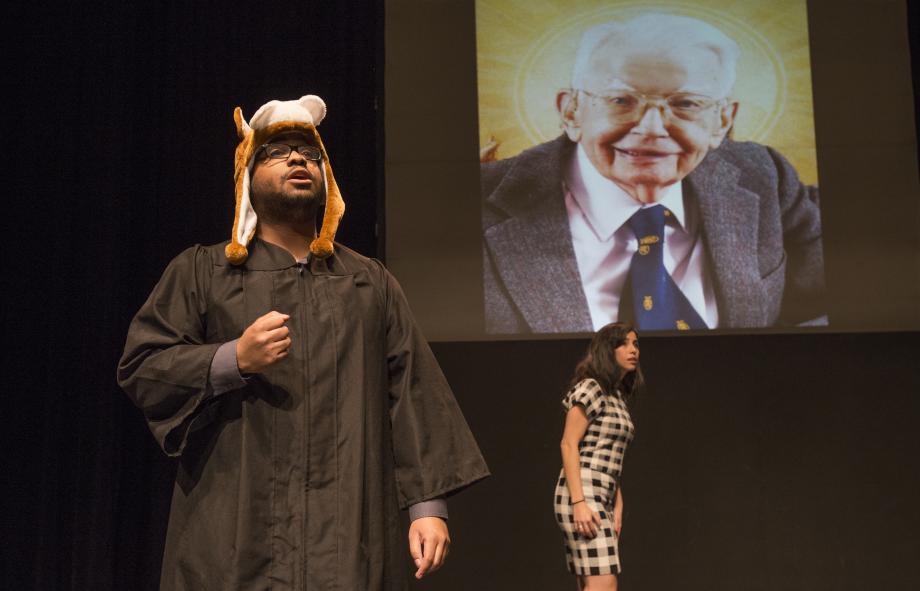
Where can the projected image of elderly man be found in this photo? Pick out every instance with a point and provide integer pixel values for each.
(643, 209)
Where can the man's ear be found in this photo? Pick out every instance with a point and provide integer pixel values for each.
(727, 116)
(567, 107)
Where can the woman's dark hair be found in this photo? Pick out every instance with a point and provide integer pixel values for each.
(599, 363)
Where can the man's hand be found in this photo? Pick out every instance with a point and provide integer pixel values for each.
(429, 543)
(489, 152)
(264, 343)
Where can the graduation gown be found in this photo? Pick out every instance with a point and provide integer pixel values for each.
(296, 480)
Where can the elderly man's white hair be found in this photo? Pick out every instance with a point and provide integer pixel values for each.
(663, 32)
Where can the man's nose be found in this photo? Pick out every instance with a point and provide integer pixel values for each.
(651, 122)
(297, 156)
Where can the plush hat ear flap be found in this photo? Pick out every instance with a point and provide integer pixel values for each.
(322, 246)
(244, 222)
(236, 253)
(244, 217)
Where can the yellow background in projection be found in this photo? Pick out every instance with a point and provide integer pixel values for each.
(525, 51)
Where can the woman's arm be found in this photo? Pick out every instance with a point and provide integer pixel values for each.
(576, 424)
(618, 512)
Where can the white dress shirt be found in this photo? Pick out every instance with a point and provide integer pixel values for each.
(604, 245)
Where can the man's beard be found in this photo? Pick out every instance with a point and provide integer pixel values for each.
(275, 207)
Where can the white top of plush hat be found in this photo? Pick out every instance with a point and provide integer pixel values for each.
(307, 109)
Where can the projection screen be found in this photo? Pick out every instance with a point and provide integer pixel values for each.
(554, 166)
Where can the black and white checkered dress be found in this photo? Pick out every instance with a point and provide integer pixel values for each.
(601, 452)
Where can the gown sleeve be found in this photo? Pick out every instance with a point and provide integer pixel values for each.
(434, 451)
(166, 363)
(587, 393)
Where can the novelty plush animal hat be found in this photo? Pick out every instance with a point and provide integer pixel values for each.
(273, 118)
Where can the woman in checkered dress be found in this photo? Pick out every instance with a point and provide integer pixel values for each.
(588, 500)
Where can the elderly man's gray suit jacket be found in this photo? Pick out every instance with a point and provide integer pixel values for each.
(760, 226)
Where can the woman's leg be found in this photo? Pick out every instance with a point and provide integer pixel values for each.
(600, 583)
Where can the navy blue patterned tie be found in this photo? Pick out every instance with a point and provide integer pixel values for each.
(658, 304)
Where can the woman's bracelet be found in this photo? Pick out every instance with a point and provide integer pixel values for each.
(581, 500)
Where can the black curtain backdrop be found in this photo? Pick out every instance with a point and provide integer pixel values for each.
(763, 462)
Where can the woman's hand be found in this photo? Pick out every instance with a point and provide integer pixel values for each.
(586, 520)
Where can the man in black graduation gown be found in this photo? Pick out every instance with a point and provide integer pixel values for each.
(287, 375)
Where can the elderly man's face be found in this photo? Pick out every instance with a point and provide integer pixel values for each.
(656, 148)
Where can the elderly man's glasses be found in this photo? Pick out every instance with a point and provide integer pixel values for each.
(282, 151)
(631, 106)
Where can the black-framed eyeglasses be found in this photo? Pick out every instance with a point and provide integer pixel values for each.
(276, 151)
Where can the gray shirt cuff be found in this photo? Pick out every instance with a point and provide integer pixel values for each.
(432, 508)
(225, 374)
